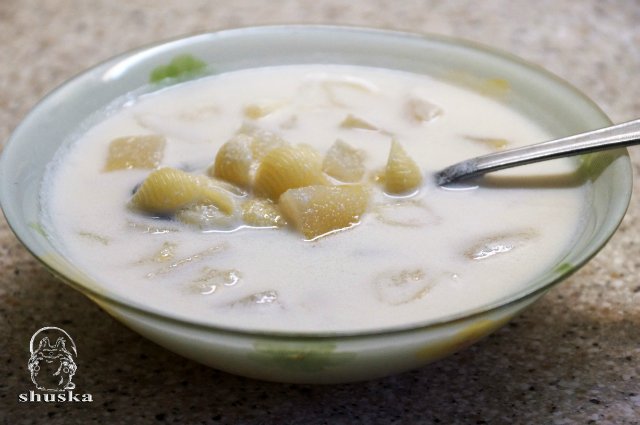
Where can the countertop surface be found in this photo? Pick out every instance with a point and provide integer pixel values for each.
(574, 357)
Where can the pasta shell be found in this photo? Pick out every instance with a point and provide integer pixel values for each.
(135, 152)
(286, 168)
(233, 161)
(402, 174)
(318, 210)
(344, 162)
(167, 190)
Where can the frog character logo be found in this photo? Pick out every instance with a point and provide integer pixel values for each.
(52, 366)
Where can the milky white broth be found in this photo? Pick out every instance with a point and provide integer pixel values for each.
(345, 281)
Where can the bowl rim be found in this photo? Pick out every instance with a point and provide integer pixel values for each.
(528, 292)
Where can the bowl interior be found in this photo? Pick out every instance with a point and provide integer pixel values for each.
(557, 106)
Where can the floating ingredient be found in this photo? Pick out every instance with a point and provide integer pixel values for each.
(233, 161)
(420, 111)
(211, 280)
(288, 167)
(194, 258)
(167, 190)
(498, 244)
(262, 213)
(257, 299)
(402, 287)
(402, 175)
(316, 211)
(351, 121)
(261, 109)
(207, 218)
(493, 143)
(344, 163)
(130, 152)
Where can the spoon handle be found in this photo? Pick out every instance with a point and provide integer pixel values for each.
(625, 134)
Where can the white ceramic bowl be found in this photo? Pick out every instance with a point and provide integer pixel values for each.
(325, 357)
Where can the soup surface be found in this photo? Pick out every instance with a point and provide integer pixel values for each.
(421, 255)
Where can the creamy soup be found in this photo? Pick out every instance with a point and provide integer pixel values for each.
(410, 256)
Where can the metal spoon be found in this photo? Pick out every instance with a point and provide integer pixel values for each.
(616, 136)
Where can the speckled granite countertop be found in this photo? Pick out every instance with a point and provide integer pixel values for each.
(572, 358)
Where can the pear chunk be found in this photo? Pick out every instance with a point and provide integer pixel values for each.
(318, 210)
(402, 174)
(352, 121)
(130, 152)
(262, 140)
(344, 163)
(420, 111)
(262, 213)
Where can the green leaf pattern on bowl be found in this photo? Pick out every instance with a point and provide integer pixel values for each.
(181, 67)
(563, 268)
(303, 357)
(37, 227)
(594, 164)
